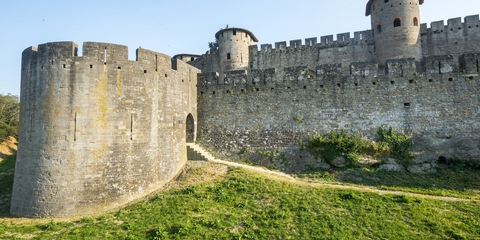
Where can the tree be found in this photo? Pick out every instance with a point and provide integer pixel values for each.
(213, 44)
(9, 116)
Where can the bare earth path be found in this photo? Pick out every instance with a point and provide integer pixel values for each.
(210, 158)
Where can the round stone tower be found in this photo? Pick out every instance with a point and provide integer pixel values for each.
(396, 27)
(233, 46)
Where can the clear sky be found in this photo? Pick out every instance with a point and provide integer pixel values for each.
(181, 26)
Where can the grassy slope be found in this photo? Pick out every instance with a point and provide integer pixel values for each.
(246, 205)
(7, 167)
(450, 181)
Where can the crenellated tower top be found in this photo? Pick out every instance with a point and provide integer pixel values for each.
(396, 26)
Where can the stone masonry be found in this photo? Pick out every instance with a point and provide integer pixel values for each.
(98, 130)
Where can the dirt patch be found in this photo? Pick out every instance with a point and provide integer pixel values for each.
(8, 147)
(196, 172)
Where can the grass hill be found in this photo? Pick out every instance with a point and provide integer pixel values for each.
(213, 201)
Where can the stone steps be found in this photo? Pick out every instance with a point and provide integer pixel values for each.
(198, 153)
(195, 154)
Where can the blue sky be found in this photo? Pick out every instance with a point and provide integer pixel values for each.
(180, 26)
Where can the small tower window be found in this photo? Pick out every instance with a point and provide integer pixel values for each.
(234, 32)
(229, 56)
(379, 28)
(415, 21)
(397, 22)
(373, 7)
(386, 1)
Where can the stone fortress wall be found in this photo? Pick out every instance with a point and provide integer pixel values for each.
(99, 130)
(455, 38)
(273, 109)
(334, 84)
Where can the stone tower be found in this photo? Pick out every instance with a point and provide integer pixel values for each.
(99, 130)
(233, 46)
(396, 26)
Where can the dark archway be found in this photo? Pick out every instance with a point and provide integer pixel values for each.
(190, 128)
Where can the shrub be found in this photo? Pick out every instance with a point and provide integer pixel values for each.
(399, 144)
(389, 143)
(335, 144)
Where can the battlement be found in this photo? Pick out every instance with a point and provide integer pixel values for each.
(453, 25)
(342, 39)
(338, 76)
(455, 37)
(98, 52)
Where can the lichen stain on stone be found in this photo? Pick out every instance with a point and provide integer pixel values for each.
(118, 82)
(102, 97)
(98, 152)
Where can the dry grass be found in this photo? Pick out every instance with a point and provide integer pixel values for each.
(8, 147)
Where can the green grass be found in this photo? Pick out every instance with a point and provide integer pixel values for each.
(450, 182)
(7, 167)
(246, 205)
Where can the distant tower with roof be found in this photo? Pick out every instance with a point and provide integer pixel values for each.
(233, 45)
(396, 26)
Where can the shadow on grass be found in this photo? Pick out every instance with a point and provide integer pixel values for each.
(7, 168)
(455, 181)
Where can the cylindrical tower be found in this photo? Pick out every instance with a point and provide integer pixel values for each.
(233, 46)
(396, 27)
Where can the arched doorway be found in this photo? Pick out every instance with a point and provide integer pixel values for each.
(190, 125)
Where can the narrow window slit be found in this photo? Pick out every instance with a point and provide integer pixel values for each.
(156, 64)
(105, 56)
(131, 126)
(450, 79)
(430, 80)
(144, 71)
(91, 66)
(410, 81)
(64, 65)
(75, 128)
(406, 105)
(392, 82)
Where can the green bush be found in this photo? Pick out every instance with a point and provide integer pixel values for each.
(400, 145)
(351, 147)
(335, 144)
